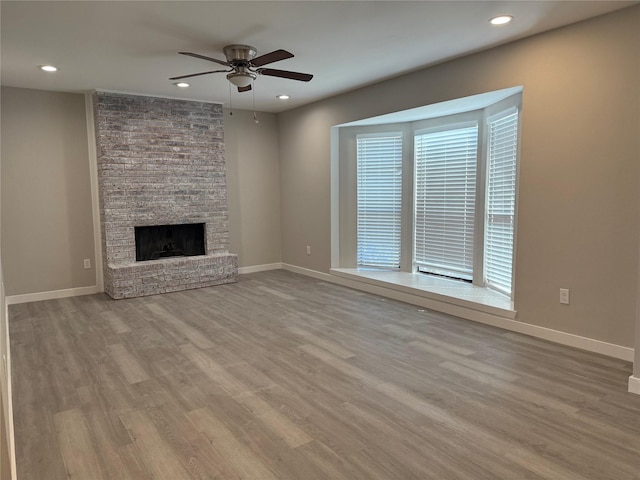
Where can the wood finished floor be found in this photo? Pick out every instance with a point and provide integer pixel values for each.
(285, 377)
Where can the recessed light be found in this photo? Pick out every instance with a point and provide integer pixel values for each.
(182, 84)
(501, 19)
(48, 68)
(283, 97)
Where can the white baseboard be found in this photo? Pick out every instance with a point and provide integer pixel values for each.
(634, 385)
(583, 343)
(310, 273)
(259, 268)
(51, 295)
(556, 336)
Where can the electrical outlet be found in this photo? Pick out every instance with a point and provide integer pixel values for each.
(564, 296)
(308, 249)
(87, 263)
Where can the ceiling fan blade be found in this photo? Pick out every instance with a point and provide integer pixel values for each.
(303, 77)
(202, 57)
(244, 89)
(198, 74)
(274, 56)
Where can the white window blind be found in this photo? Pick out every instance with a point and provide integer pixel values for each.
(501, 197)
(379, 197)
(445, 170)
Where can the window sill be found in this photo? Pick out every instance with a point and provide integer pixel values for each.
(452, 292)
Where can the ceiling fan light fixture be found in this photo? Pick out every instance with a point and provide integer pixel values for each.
(241, 79)
(283, 97)
(182, 84)
(501, 19)
(48, 68)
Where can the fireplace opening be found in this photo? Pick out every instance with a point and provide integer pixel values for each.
(162, 241)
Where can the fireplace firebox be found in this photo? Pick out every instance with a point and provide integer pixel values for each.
(163, 241)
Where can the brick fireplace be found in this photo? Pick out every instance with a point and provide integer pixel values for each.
(161, 162)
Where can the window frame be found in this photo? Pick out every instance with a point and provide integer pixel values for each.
(344, 181)
(494, 117)
(448, 127)
(379, 135)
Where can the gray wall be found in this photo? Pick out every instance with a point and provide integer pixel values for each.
(253, 187)
(47, 227)
(636, 353)
(578, 225)
(5, 434)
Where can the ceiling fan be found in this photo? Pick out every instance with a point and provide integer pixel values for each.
(244, 66)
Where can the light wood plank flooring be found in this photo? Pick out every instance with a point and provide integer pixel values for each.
(285, 377)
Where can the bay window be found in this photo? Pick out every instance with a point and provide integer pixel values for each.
(438, 196)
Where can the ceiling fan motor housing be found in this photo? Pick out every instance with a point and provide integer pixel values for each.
(239, 54)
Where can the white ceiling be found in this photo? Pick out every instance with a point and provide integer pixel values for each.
(132, 46)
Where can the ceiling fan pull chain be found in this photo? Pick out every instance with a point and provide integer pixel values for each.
(255, 116)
